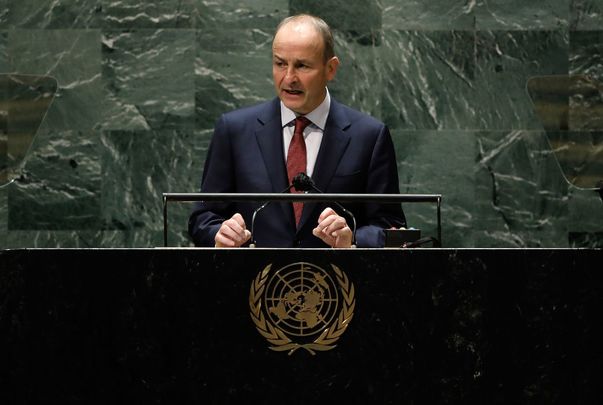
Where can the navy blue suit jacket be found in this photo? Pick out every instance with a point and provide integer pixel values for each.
(246, 156)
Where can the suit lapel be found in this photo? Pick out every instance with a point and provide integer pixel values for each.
(335, 141)
(269, 136)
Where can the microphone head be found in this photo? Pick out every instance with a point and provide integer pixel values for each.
(302, 182)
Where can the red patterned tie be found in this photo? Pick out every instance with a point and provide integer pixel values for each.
(296, 158)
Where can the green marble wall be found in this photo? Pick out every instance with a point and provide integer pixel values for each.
(142, 83)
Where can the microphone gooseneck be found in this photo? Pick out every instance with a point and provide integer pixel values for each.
(255, 212)
(303, 182)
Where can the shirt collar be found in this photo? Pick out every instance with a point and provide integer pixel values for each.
(318, 116)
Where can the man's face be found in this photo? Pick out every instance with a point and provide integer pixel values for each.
(299, 70)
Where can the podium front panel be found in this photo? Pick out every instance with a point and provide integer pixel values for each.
(184, 326)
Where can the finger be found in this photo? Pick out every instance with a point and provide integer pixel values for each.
(332, 223)
(325, 213)
(328, 225)
(224, 236)
(329, 240)
(223, 241)
(238, 218)
(335, 226)
(326, 220)
(344, 238)
(231, 224)
(232, 231)
(341, 237)
(342, 232)
(236, 223)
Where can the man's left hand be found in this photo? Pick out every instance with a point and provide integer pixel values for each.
(333, 229)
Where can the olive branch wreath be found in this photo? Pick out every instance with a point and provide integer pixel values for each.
(278, 338)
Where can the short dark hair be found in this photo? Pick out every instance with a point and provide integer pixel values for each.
(321, 27)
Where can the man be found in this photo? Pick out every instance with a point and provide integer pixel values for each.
(259, 149)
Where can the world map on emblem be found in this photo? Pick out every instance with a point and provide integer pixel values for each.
(301, 299)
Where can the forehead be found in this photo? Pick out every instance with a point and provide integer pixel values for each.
(297, 40)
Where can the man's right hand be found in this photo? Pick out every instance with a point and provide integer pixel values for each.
(232, 233)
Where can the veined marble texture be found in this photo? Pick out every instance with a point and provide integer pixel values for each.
(141, 85)
(586, 15)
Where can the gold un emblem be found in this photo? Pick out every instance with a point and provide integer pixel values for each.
(301, 306)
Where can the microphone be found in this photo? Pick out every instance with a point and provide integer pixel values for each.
(303, 182)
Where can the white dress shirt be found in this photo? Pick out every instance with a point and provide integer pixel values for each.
(312, 133)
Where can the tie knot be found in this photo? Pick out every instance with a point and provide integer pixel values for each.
(301, 123)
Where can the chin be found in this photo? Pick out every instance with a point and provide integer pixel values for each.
(296, 107)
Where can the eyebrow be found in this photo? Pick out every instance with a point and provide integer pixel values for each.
(296, 61)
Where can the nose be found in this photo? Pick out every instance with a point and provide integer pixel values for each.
(291, 74)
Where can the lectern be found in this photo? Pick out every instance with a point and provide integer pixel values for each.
(211, 326)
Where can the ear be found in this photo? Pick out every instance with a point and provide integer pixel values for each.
(332, 65)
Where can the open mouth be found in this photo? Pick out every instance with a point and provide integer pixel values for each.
(293, 92)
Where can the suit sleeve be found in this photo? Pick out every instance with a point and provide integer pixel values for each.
(218, 173)
(382, 179)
